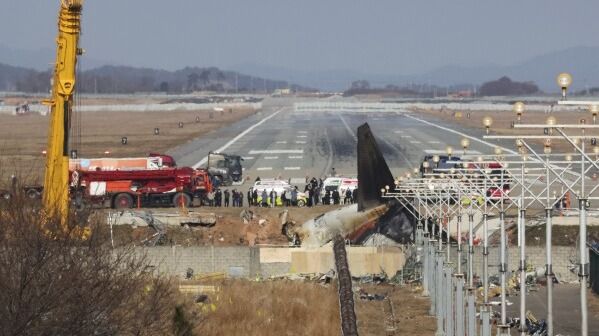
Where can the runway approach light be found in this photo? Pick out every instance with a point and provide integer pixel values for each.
(568, 157)
(551, 121)
(519, 109)
(498, 151)
(449, 150)
(564, 80)
(487, 122)
(594, 111)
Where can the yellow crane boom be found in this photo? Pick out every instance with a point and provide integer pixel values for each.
(56, 181)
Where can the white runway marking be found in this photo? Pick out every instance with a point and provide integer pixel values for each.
(276, 151)
(248, 157)
(281, 142)
(460, 134)
(235, 139)
(298, 180)
(300, 142)
(271, 157)
(415, 142)
(434, 142)
(302, 136)
(399, 132)
(405, 136)
(302, 132)
(296, 157)
(264, 168)
(347, 127)
(293, 168)
(443, 152)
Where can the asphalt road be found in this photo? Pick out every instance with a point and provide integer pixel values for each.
(294, 145)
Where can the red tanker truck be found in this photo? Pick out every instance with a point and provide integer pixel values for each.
(127, 189)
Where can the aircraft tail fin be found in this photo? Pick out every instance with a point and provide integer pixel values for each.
(373, 172)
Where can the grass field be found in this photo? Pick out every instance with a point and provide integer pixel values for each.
(23, 138)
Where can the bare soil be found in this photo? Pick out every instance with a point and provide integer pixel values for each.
(230, 229)
(23, 138)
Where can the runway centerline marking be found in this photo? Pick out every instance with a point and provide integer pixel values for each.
(300, 142)
(248, 157)
(347, 127)
(296, 157)
(415, 142)
(271, 157)
(264, 168)
(241, 135)
(292, 168)
(281, 142)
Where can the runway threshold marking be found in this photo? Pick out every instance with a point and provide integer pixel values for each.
(281, 142)
(300, 142)
(271, 157)
(296, 157)
(241, 135)
(292, 168)
(248, 157)
(264, 168)
(415, 142)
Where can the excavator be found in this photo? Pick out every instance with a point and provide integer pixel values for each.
(56, 181)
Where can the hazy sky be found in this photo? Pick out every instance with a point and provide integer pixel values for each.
(376, 36)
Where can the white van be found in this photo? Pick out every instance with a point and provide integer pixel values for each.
(341, 184)
(279, 186)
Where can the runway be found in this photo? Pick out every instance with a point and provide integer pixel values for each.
(279, 142)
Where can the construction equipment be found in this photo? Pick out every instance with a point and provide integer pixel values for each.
(56, 195)
(125, 189)
(225, 168)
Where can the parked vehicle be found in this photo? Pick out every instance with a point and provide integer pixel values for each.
(279, 187)
(341, 184)
(126, 189)
(225, 168)
(151, 162)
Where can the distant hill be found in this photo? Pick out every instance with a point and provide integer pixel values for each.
(581, 62)
(125, 79)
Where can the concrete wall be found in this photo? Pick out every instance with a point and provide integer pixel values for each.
(249, 262)
(267, 261)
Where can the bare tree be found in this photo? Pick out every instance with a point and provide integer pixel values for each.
(53, 282)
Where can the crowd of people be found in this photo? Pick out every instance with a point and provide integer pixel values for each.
(219, 198)
(311, 196)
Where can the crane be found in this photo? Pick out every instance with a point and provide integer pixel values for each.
(56, 181)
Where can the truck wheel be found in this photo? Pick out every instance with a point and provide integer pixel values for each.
(181, 199)
(123, 201)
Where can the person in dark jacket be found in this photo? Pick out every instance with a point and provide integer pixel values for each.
(264, 198)
(218, 198)
(347, 199)
(250, 199)
(327, 198)
(255, 197)
(227, 198)
(336, 197)
(354, 196)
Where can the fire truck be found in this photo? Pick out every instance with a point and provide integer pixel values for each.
(142, 188)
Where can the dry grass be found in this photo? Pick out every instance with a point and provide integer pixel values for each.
(411, 312)
(271, 308)
(23, 138)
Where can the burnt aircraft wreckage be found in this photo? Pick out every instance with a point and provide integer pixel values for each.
(372, 214)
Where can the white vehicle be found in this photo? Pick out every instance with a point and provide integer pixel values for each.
(279, 187)
(341, 184)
